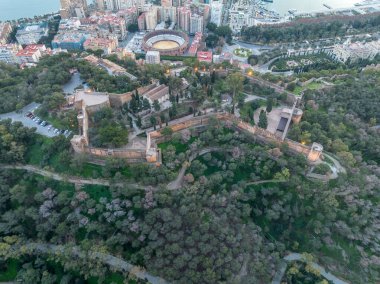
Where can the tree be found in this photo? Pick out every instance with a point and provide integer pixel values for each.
(269, 105)
(132, 28)
(235, 84)
(212, 41)
(153, 121)
(263, 120)
(156, 105)
(167, 131)
(224, 31)
(113, 135)
(146, 104)
(291, 86)
(211, 27)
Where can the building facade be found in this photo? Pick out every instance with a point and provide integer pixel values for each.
(8, 52)
(152, 57)
(73, 8)
(31, 53)
(5, 31)
(217, 9)
(70, 40)
(183, 18)
(31, 34)
(108, 45)
(151, 18)
(196, 24)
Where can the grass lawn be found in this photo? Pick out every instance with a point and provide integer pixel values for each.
(311, 86)
(10, 273)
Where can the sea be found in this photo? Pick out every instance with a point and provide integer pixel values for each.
(283, 6)
(16, 9)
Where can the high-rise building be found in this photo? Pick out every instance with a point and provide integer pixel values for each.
(183, 18)
(177, 3)
(168, 13)
(196, 23)
(73, 8)
(129, 15)
(216, 12)
(5, 31)
(151, 18)
(106, 5)
(141, 22)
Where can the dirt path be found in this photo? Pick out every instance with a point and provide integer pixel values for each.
(115, 263)
(67, 178)
(265, 181)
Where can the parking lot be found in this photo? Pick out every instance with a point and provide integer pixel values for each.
(46, 130)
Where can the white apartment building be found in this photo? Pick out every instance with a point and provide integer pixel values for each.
(31, 34)
(196, 23)
(152, 57)
(8, 52)
(356, 51)
(217, 9)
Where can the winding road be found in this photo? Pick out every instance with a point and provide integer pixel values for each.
(299, 257)
(115, 263)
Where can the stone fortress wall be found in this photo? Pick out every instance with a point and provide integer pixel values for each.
(312, 153)
(87, 104)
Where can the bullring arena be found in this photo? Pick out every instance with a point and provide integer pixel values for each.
(167, 42)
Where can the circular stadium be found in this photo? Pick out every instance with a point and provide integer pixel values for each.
(167, 42)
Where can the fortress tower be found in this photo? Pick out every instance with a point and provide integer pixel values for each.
(315, 152)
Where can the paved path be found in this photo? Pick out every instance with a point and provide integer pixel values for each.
(66, 178)
(337, 164)
(299, 257)
(56, 176)
(115, 263)
(27, 122)
(265, 181)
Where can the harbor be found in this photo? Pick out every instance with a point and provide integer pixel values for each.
(295, 8)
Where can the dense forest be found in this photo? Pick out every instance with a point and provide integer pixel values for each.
(309, 31)
(243, 204)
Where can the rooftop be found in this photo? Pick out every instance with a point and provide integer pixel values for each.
(91, 99)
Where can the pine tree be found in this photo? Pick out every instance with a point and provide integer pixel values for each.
(263, 120)
(269, 105)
